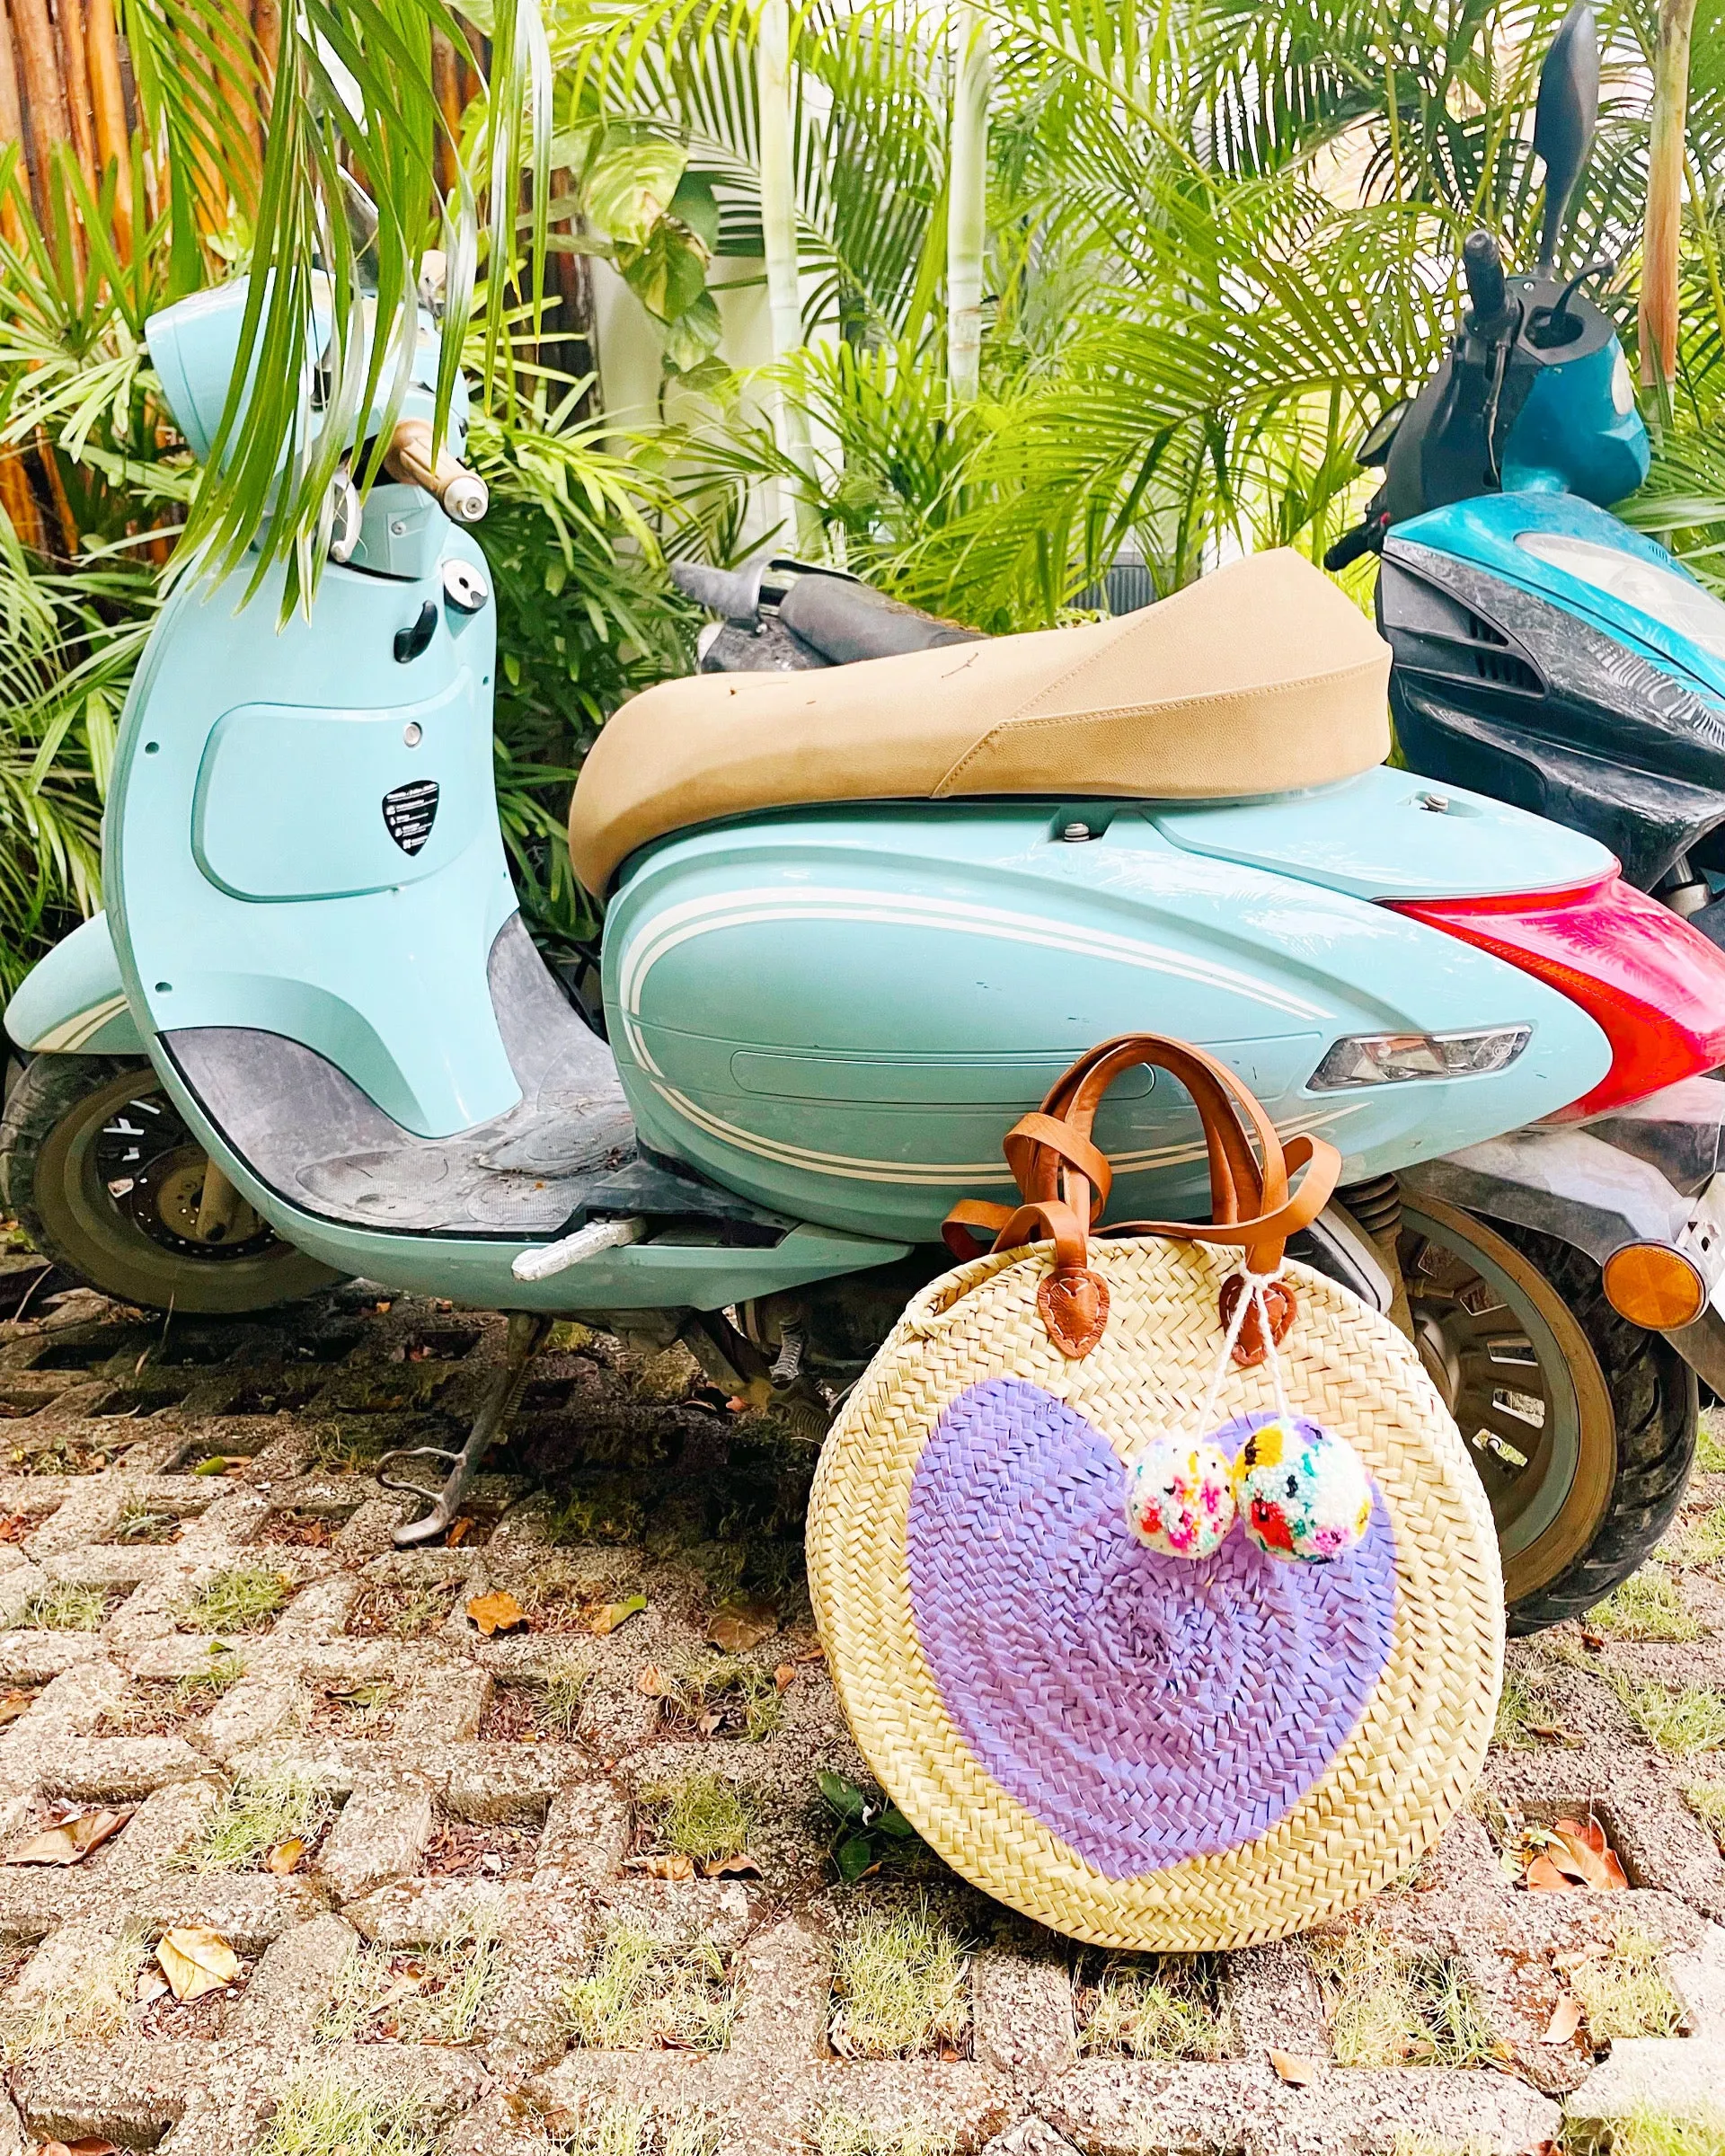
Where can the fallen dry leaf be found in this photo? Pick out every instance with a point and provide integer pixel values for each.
(286, 1856)
(740, 1867)
(92, 2144)
(1296, 2071)
(15, 1526)
(674, 1866)
(498, 1611)
(151, 1984)
(736, 1626)
(1582, 1851)
(785, 1675)
(1566, 2019)
(609, 1615)
(195, 1960)
(1544, 1876)
(17, 1701)
(70, 1840)
(653, 1682)
(459, 1530)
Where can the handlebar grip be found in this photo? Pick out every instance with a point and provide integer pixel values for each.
(1482, 267)
(1353, 545)
(460, 493)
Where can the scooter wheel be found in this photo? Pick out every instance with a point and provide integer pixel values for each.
(1582, 1427)
(103, 1176)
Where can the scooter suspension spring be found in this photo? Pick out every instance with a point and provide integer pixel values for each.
(1376, 1205)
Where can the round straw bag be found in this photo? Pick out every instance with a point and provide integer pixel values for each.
(1144, 1749)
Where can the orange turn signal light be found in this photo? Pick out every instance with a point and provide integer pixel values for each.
(1654, 1286)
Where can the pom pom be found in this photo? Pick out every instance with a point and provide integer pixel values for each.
(1180, 1499)
(1302, 1494)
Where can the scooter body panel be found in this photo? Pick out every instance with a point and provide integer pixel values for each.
(73, 1001)
(1492, 529)
(840, 1014)
(322, 860)
(1578, 430)
(1517, 676)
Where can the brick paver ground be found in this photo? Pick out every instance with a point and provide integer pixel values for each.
(481, 1814)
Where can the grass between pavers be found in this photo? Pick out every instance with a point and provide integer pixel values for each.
(1626, 1992)
(440, 1996)
(1679, 1719)
(1700, 1541)
(641, 1996)
(619, 2129)
(1647, 1605)
(898, 1987)
(703, 1816)
(1710, 1441)
(1392, 2005)
(564, 1698)
(246, 1598)
(1527, 1714)
(723, 1695)
(139, 1521)
(219, 1673)
(1706, 1800)
(66, 1607)
(92, 2004)
(1657, 2134)
(321, 2115)
(842, 2132)
(261, 1810)
(1162, 2006)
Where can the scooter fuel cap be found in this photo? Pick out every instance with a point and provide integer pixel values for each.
(463, 586)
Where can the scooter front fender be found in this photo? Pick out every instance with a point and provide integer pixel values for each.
(1646, 1174)
(73, 1002)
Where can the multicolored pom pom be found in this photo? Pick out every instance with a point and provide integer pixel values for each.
(1302, 1492)
(1180, 1496)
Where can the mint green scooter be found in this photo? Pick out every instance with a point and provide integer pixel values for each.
(858, 920)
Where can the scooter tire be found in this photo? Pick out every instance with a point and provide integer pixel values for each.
(53, 1184)
(1634, 1399)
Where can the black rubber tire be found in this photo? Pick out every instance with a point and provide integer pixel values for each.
(1657, 1405)
(48, 1182)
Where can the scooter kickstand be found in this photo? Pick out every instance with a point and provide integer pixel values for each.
(527, 1333)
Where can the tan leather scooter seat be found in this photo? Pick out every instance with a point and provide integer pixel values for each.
(1262, 679)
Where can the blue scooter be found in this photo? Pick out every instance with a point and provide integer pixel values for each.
(1546, 653)
(859, 919)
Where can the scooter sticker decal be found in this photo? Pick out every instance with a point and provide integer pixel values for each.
(410, 811)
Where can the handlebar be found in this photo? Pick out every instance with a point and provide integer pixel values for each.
(1482, 267)
(459, 493)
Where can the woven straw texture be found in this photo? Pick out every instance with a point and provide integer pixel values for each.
(1417, 1652)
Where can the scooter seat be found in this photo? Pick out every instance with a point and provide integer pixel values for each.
(1260, 679)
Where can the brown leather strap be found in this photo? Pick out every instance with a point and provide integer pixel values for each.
(1065, 1178)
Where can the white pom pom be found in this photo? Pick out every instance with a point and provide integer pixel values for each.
(1303, 1493)
(1180, 1496)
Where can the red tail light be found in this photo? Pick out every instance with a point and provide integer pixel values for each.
(1656, 985)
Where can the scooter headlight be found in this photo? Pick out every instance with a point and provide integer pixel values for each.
(1676, 601)
(1394, 1058)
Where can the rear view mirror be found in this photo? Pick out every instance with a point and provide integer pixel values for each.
(1376, 447)
(1563, 122)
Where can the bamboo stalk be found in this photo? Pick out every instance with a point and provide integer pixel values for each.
(18, 499)
(75, 54)
(1663, 231)
(966, 199)
(11, 128)
(233, 37)
(113, 135)
(446, 84)
(39, 76)
(68, 523)
(778, 240)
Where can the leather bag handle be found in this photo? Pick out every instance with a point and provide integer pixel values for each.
(1063, 1182)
